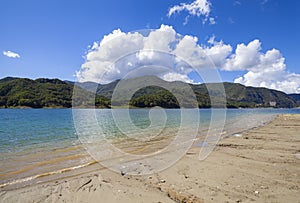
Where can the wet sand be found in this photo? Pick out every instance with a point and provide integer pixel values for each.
(261, 165)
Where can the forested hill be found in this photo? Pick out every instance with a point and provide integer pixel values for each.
(40, 93)
(55, 93)
(295, 97)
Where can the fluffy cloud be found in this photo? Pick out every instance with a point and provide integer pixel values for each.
(11, 54)
(119, 54)
(158, 40)
(245, 57)
(176, 76)
(166, 54)
(217, 52)
(279, 80)
(197, 8)
(100, 60)
(263, 69)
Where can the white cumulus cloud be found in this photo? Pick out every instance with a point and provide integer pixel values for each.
(199, 8)
(177, 77)
(99, 65)
(119, 53)
(263, 69)
(158, 40)
(245, 57)
(11, 54)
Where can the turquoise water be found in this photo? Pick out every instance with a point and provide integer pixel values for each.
(34, 141)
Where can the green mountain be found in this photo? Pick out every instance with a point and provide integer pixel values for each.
(237, 95)
(55, 93)
(41, 93)
(34, 93)
(295, 97)
(240, 95)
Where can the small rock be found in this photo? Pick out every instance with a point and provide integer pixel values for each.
(256, 192)
(123, 170)
(162, 181)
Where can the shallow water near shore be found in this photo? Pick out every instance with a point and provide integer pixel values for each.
(35, 143)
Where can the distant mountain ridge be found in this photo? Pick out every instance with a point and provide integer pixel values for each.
(55, 93)
(295, 97)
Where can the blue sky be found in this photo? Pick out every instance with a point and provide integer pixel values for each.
(51, 38)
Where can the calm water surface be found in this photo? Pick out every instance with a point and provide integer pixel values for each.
(37, 141)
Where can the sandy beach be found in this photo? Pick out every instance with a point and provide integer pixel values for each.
(261, 165)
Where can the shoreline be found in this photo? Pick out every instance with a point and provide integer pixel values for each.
(135, 107)
(126, 146)
(239, 169)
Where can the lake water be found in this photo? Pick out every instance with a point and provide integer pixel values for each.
(36, 143)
